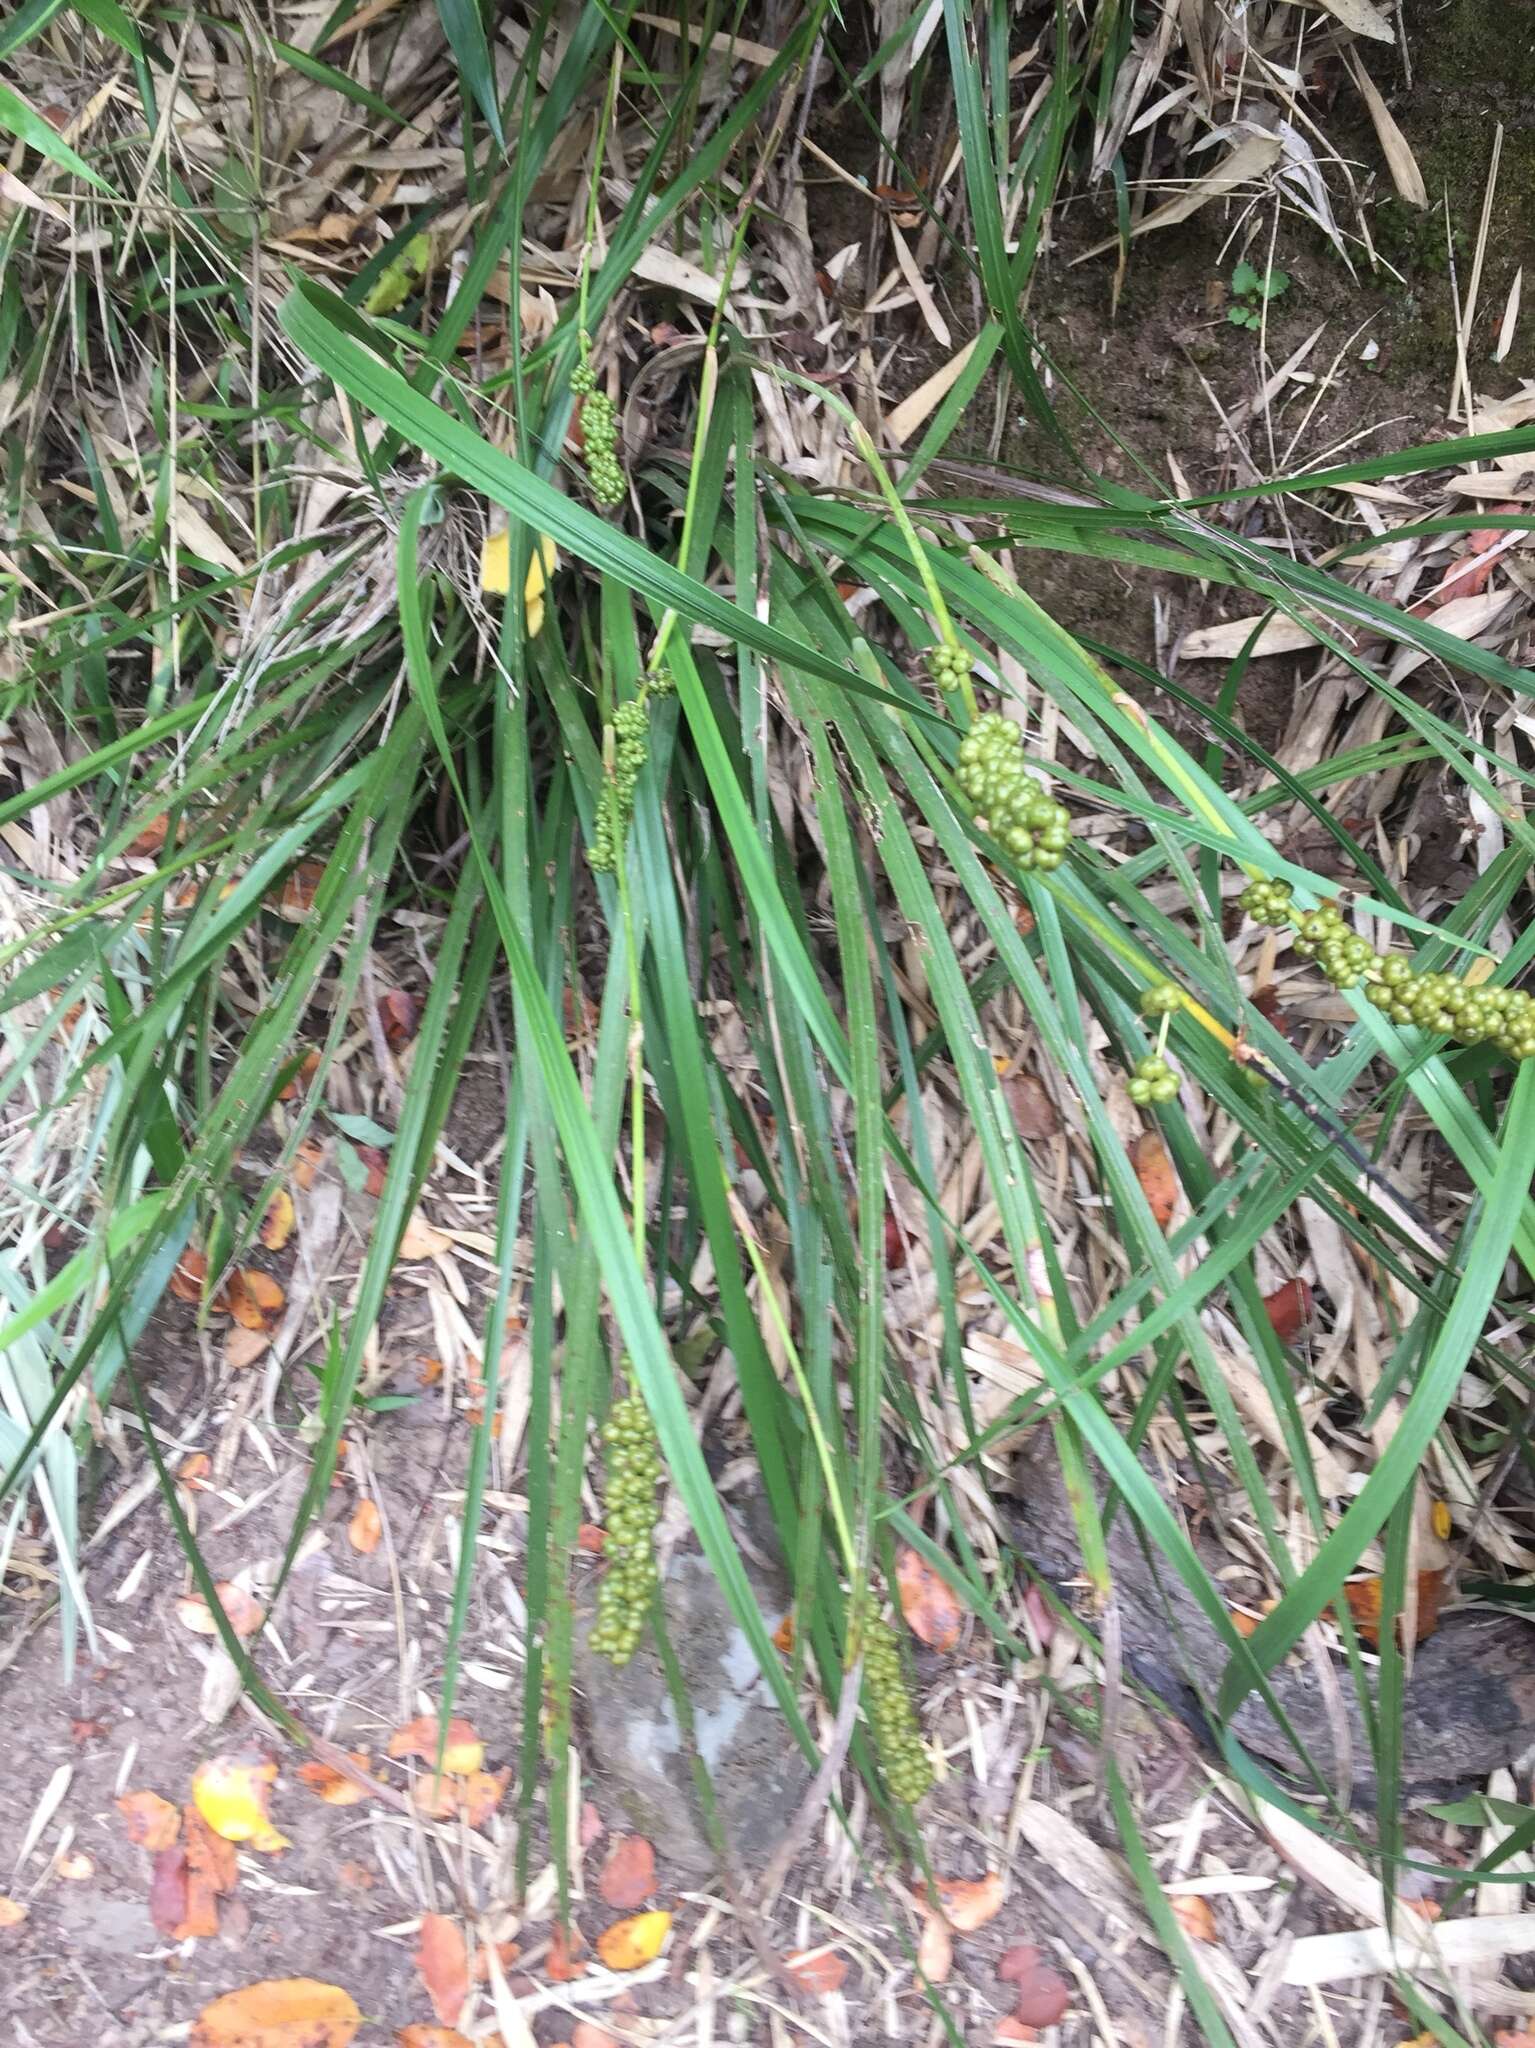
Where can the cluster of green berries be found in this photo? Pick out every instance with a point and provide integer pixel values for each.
(1161, 999)
(1154, 1080)
(633, 1473)
(599, 433)
(892, 1717)
(1442, 1003)
(615, 806)
(948, 664)
(1033, 827)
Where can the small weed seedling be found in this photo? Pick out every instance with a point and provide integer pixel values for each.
(1249, 288)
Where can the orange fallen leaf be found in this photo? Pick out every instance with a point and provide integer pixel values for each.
(252, 1297)
(1440, 1520)
(307, 1161)
(282, 2012)
(442, 1961)
(334, 1786)
(291, 1090)
(231, 1794)
(562, 1964)
(1288, 1307)
(630, 1944)
(816, 1970)
(298, 891)
(587, 2034)
(75, 1866)
(421, 1241)
(243, 1347)
(1244, 1624)
(211, 1872)
(242, 1610)
(365, 1531)
(931, 1611)
(277, 1224)
(472, 1797)
(12, 1912)
(1502, 2039)
(190, 1271)
(592, 1540)
(1365, 1599)
(357, 1877)
(1194, 1915)
(935, 1949)
(628, 1875)
(1154, 1170)
(435, 2037)
(465, 1752)
(152, 838)
(151, 1822)
(969, 1902)
(783, 1637)
(192, 1472)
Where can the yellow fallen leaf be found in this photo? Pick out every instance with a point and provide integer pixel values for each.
(76, 1866)
(231, 1795)
(463, 1754)
(629, 1944)
(277, 1225)
(12, 1912)
(496, 574)
(935, 1949)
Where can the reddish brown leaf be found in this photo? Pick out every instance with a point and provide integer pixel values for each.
(1034, 1112)
(816, 1970)
(1288, 1307)
(895, 1241)
(629, 1874)
(152, 838)
(88, 1731)
(442, 1959)
(591, 1540)
(1154, 1170)
(399, 1013)
(168, 1890)
(152, 1822)
(931, 1611)
(1042, 1995)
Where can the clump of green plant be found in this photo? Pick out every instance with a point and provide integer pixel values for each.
(1251, 289)
(633, 1475)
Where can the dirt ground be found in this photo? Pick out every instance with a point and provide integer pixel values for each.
(355, 1648)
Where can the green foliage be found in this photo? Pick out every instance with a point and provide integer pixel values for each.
(1251, 289)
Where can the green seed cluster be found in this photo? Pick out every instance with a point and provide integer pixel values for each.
(1443, 1003)
(633, 1472)
(1161, 999)
(615, 806)
(892, 1717)
(1033, 827)
(948, 664)
(1154, 1080)
(599, 433)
